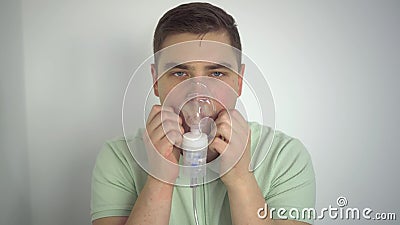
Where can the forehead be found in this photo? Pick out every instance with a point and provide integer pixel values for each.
(218, 36)
(187, 48)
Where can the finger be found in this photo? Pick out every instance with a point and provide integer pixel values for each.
(218, 145)
(238, 120)
(238, 125)
(175, 137)
(163, 129)
(165, 145)
(153, 112)
(223, 115)
(235, 119)
(223, 131)
(157, 109)
(161, 117)
(164, 123)
(230, 155)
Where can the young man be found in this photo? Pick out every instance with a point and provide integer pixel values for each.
(123, 193)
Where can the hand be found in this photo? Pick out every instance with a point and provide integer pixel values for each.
(232, 141)
(164, 133)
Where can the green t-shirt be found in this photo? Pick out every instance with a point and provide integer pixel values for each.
(285, 177)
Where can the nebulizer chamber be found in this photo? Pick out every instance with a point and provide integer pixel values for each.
(195, 142)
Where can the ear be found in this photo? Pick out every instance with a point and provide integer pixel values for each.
(240, 79)
(155, 79)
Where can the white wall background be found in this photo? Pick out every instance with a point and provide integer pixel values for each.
(333, 67)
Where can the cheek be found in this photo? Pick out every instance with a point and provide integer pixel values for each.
(224, 102)
(164, 88)
(225, 97)
(234, 83)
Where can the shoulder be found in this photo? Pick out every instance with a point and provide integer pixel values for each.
(279, 157)
(115, 149)
(274, 144)
(116, 156)
(120, 146)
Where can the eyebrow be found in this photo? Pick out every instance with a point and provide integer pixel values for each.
(213, 66)
(219, 66)
(169, 66)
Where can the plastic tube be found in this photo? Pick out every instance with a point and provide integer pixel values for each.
(196, 216)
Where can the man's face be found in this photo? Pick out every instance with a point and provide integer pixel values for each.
(172, 77)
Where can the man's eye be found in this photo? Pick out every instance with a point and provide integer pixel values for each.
(217, 74)
(179, 74)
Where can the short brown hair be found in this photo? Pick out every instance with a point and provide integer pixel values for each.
(197, 18)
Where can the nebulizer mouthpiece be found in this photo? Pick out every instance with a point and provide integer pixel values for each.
(197, 112)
